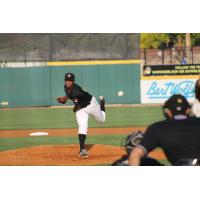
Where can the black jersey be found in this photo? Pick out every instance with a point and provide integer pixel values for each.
(79, 97)
(180, 139)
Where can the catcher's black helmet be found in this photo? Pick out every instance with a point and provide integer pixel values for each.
(177, 104)
(133, 140)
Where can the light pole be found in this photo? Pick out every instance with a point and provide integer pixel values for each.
(188, 46)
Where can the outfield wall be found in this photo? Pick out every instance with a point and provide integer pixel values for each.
(24, 87)
(39, 86)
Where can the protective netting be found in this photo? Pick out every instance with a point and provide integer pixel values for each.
(68, 46)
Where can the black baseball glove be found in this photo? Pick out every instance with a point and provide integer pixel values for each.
(62, 100)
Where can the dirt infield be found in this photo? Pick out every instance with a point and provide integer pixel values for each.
(66, 132)
(64, 155)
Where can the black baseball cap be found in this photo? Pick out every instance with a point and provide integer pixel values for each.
(177, 103)
(69, 77)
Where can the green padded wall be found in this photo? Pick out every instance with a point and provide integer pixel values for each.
(99, 80)
(39, 86)
(25, 86)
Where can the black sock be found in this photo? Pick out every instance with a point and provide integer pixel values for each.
(82, 138)
(102, 107)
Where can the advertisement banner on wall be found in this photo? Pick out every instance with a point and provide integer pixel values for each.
(158, 91)
(159, 82)
(171, 70)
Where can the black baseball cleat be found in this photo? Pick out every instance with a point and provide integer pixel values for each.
(102, 103)
(83, 153)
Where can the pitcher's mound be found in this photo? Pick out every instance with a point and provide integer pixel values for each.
(61, 155)
(57, 155)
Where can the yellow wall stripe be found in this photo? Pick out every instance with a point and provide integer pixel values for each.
(94, 62)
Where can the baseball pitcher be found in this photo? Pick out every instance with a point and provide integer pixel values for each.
(84, 105)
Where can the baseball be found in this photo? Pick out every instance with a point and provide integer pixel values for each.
(120, 93)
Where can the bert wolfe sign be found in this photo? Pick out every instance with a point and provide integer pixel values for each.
(158, 83)
(158, 91)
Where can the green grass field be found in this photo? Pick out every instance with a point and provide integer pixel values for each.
(65, 118)
(14, 143)
(41, 118)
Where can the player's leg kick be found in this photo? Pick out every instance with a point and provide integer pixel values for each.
(96, 110)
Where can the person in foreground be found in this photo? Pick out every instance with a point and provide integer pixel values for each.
(178, 135)
(196, 102)
(84, 105)
(131, 142)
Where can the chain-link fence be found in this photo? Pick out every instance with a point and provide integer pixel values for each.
(68, 46)
(170, 56)
(28, 47)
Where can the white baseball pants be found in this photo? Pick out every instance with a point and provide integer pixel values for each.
(92, 109)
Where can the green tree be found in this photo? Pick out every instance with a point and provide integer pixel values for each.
(167, 40)
(195, 39)
(154, 40)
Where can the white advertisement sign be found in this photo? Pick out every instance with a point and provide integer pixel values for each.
(158, 91)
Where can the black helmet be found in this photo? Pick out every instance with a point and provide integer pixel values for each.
(69, 77)
(133, 140)
(177, 104)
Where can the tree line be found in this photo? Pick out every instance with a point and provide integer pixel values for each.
(167, 40)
